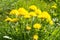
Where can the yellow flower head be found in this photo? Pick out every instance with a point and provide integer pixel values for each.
(32, 14)
(27, 16)
(35, 37)
(8, 19)
(14, 20)
(14, 12)
(37, 26)
(28, 28)
(44, 14)
(22, 11)
(33, 7)
(38, 12)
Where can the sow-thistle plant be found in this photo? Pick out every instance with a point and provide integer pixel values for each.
(14, 12)
(28, 28)
(33, 7)
(22, 11)
(8, 19)
(38, 11)
(11, 20)
(14, 20)
(44, 14)
(37, 26)
(35, 37)
(32, 14)
(25, 17)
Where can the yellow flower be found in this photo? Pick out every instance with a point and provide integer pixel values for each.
(35, 37)
(44, 14)
(32, 14)
(28, 28)
(54, 6)
(8, 19)
(51, 22)
(37, 26)
(14, 12)
(27, 16)
(22, 11)
(14, 20)
(38, 12)
(33, 7)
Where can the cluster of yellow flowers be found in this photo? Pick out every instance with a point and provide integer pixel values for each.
(36, 12)
(35, 26)
(11, 20)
